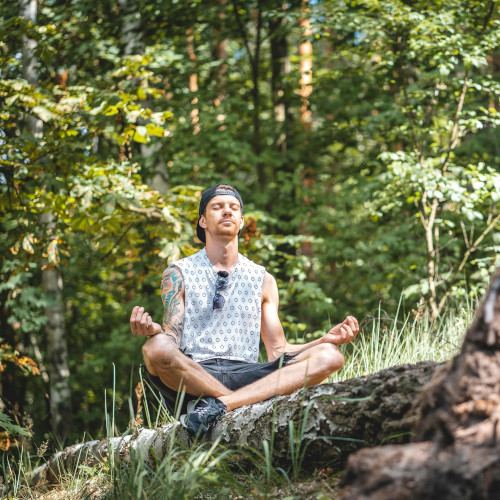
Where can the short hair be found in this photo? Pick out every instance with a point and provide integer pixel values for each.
(220, 187)
(224, 187)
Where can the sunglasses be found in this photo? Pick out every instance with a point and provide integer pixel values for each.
(220, 284)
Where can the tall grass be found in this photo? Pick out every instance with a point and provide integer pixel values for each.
(384, 342)
(211, 471)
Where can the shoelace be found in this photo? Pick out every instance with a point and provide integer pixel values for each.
(212, 412)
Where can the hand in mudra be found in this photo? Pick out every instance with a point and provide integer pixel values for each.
(344, 332)
(142, 324)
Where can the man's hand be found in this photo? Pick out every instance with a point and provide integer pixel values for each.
(142, 324)
(343, 333)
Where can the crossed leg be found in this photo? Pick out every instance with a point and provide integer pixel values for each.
(164, 359)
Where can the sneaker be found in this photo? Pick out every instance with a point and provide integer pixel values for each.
(202, 414)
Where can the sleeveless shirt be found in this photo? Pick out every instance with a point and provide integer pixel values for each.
(232, 332)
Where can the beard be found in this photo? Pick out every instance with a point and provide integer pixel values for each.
(226, 231)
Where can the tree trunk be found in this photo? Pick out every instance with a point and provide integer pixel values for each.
(254, 59)
(280, 65)
(131, 26)
(457, 448)
(332, 420)
(220, 54)
(57, 351)
(308, 175)
(305, 54)
(193, 82)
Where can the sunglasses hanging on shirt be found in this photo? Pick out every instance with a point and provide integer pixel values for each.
(220, 285)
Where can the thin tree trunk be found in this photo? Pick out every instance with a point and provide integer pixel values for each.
(256, 100)
(305, 54)
(131, 23)
(280, 65)
(220, 55)
(193, 82)
(57, 351)
(254, 59)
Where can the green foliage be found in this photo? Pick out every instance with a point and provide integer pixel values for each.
(420, 174)
(394, 188)
(9, 429)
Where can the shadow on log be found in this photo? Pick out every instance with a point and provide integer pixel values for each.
(332, 420)
(456, 453)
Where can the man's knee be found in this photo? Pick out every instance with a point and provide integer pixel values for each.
(161, 350)
(328, 359)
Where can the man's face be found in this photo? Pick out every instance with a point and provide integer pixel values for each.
(222, 217)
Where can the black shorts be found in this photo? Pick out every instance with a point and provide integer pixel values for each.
(233, 374)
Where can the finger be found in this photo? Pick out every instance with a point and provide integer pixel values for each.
(355, 323)
(350, 333)
(133, 319)
(354, 327)
(343, 330)
(349, 321)
(138, 314)
(144, 323)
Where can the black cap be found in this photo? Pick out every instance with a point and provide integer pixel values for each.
(207, 196)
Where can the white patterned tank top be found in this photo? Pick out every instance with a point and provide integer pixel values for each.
(232, 332)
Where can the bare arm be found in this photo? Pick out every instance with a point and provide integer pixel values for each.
(172, 296)
(272, 331)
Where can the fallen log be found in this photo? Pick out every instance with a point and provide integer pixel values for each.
(330, 421)
(456, 453)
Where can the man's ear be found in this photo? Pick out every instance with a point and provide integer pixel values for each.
(242, 223)
(203, 222)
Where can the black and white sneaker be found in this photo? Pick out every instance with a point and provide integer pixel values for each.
(202, 414)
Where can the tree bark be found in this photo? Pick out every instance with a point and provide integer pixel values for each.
(457, 448)
(332, 420)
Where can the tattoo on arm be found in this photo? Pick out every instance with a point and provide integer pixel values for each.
(172, 288)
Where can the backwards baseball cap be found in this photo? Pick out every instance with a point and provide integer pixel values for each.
(207, 196)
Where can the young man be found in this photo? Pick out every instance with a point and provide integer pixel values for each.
(217, 306)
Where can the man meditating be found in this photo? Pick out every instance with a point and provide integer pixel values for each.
(217, 306)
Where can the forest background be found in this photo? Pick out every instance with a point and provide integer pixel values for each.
(362, 135)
